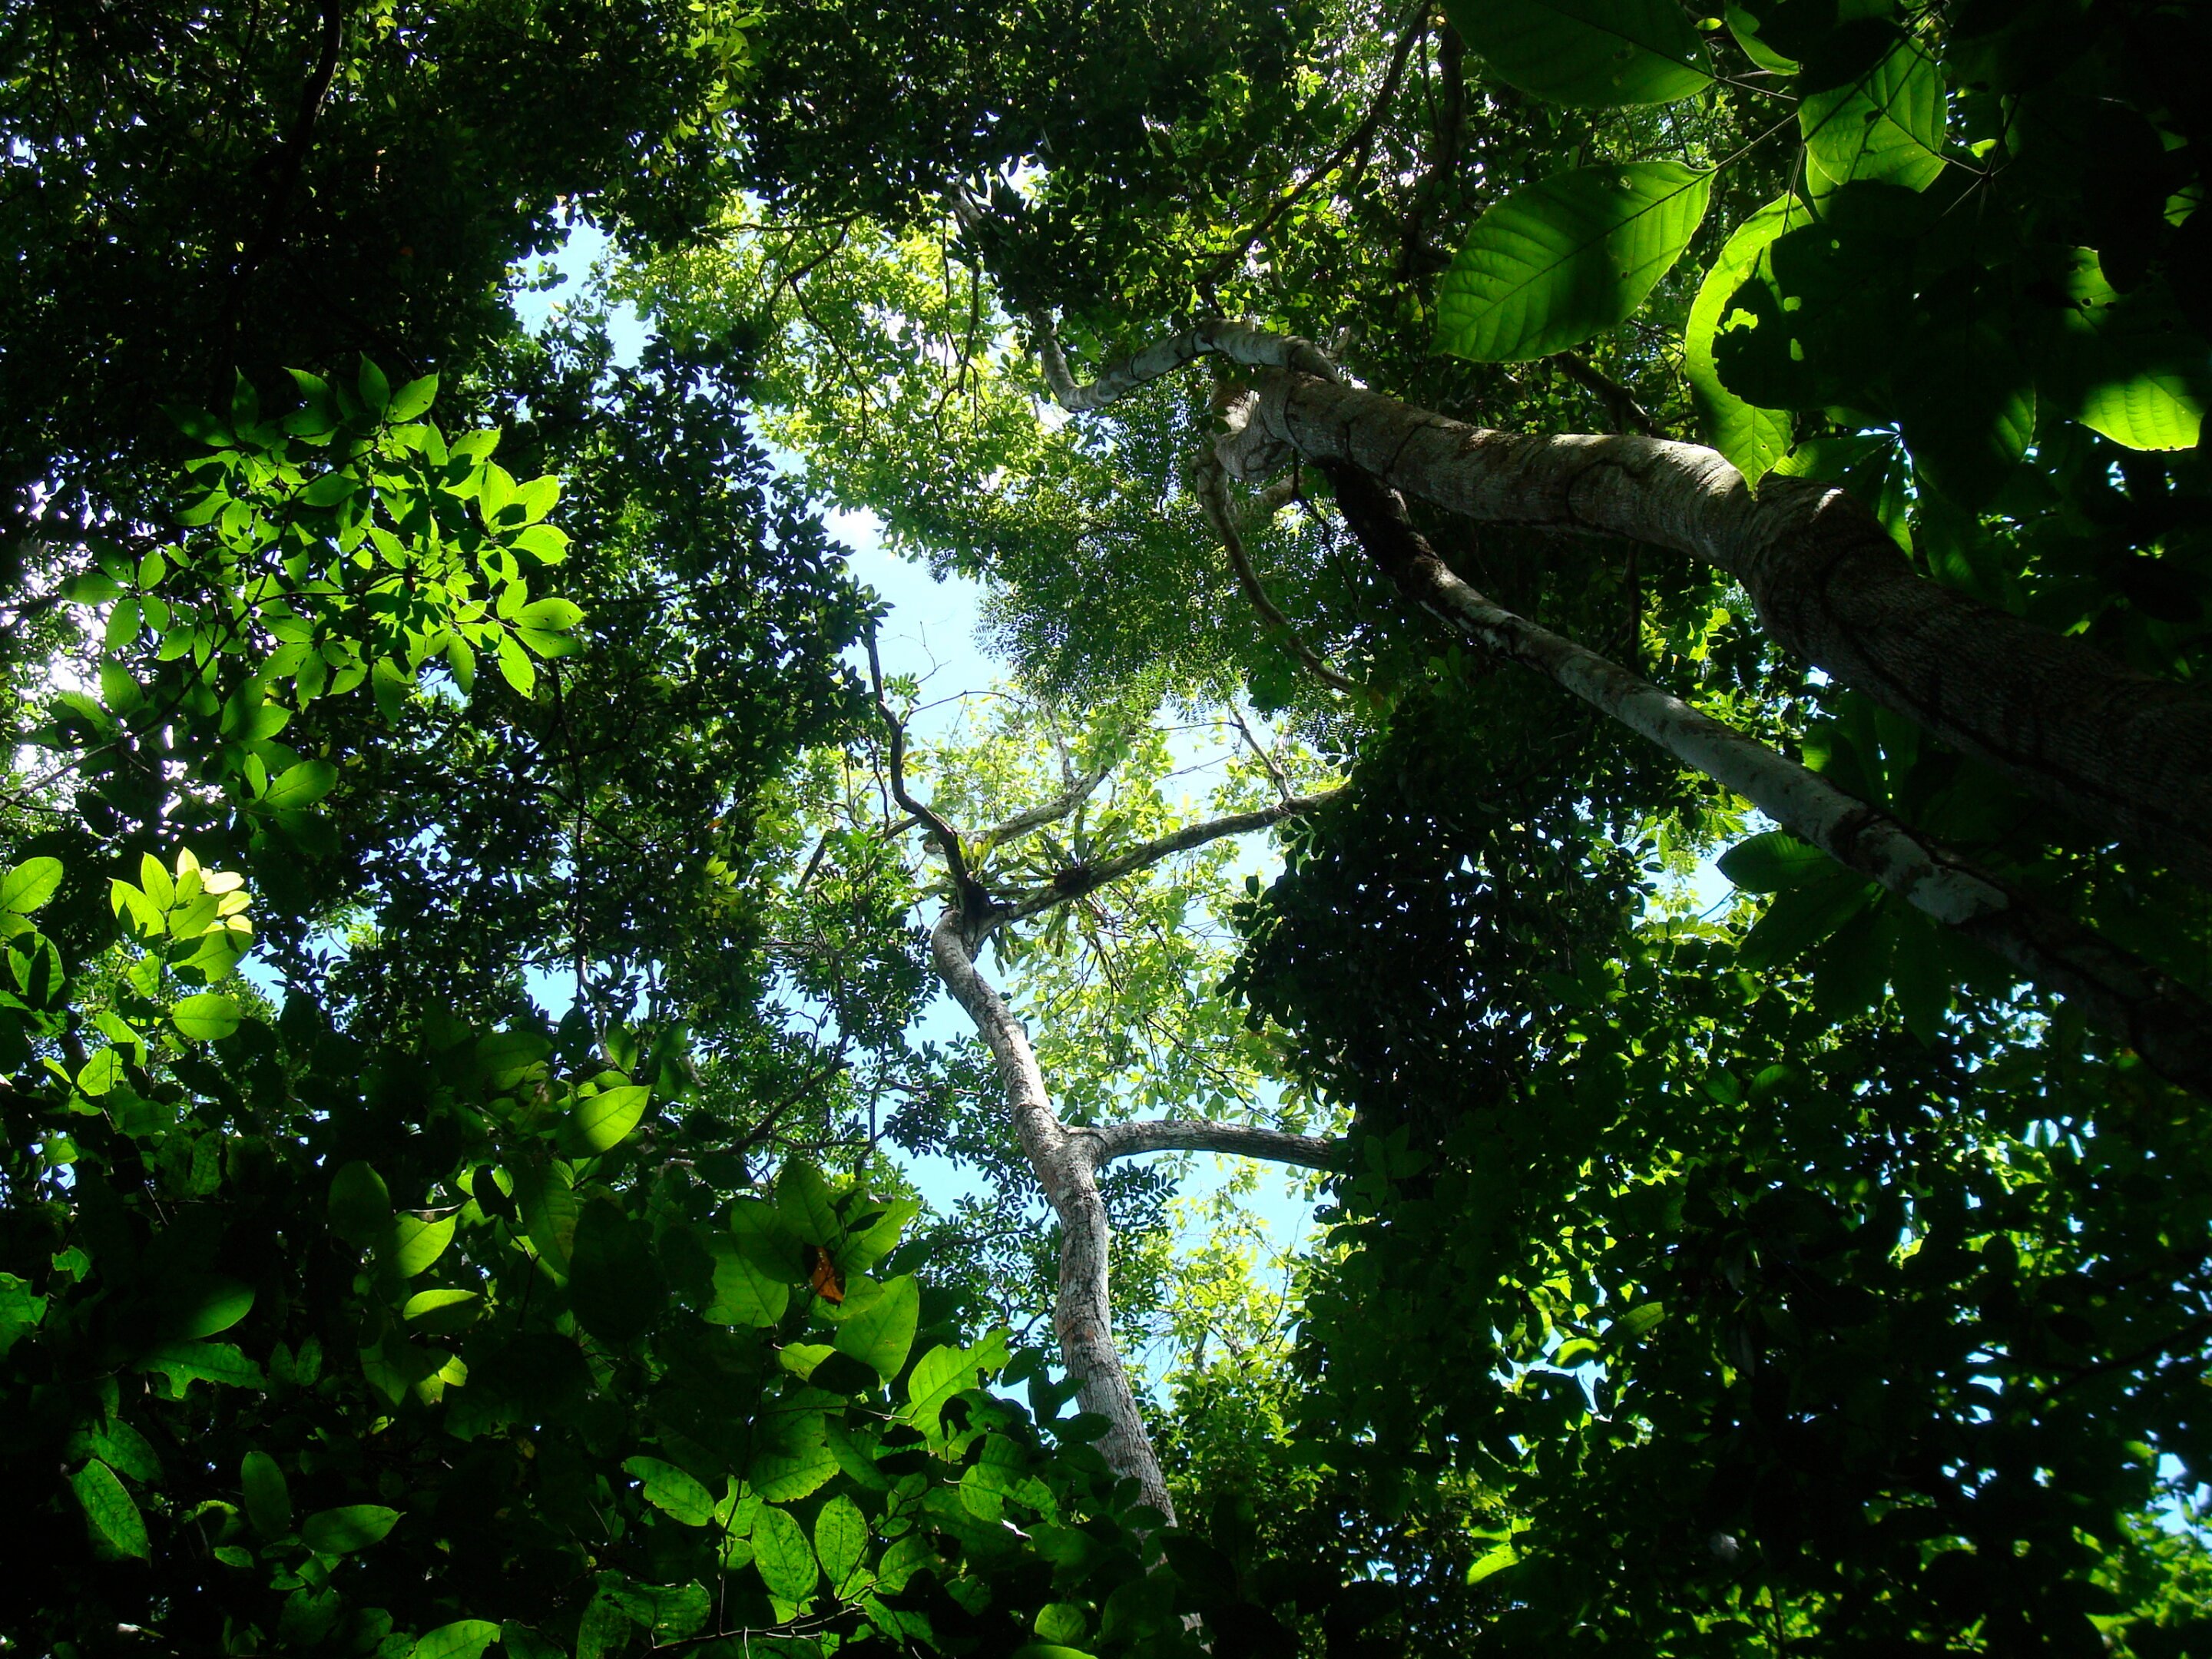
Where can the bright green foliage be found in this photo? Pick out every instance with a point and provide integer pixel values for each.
(1586, 51)
(1555, 261)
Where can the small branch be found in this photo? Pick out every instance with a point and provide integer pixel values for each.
(1261, 753)
(1619, 403)
(1213, 493)
(290, 158)
(947, 839)
(1194, 1135)
(1075, 882)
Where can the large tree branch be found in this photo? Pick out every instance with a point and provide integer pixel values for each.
(1052, 812)
(1083, 879)
(2168, 1025)
(1196, 1135)
(2128, 755)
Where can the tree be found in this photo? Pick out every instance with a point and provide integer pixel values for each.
(1810, 1272)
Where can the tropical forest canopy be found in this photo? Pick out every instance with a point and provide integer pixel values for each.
(1682, 526)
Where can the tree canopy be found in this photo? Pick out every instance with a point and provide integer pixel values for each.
(1599, 606)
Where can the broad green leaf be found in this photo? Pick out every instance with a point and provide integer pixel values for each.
(550, 616)
(783, 1557)
(841, 1539)
(207, 1016)
(1634, 1325)
(547, 1199)
(21, 1312)
(111, 1510)
(412, 1244)
(1585, 52)
(671, 1491)
(375, 389)
(268, 1499)
(1920, 976)
(795, 1462)
(803, 1196)
(1884, 124)
(2125, 365)
(101, 1074)
(521, 1642)
(1752, 439)
(1061, 1622)
(207, 1307)
(123, 1448)
(300, 786)
(1491, 1562)
(880, 1334)
(410, 401)
(1770, 862)
(361, 1208)
(29, 885)
(601, 1121)
(1800, 918)
(342, 1531)
(614, 1282)
(186, 1363)
(937, 1376)
(514, 664)
(605, 1630)
(745, 1293)
(465, 1638)
(443, 1313)
(1556, 262)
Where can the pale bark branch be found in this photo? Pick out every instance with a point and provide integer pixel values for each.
(1083, 1313)
(2128, 755)
(1083, 879)
(1052, 812)
(1115, 1140)
(2167, 1024)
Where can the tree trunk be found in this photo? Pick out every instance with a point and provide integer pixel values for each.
(1065, 1164)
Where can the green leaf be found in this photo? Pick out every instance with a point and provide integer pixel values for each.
(100, 1074)
(803, 1198)
(268, 1499)
(514, 664)
(523, 1643)
(605, 1119)
(465, 1638)
(375, 389)
(361, 1208)
(1771, 862)
(389, 686)
(937, 1376)
(412, 1244)
(1851, 969)
(410, 401)
(1061, 1622)
(1802, 917)
(302, 784)
(671, 1491)
(880, 1334)
(342, 1531)
(27, 886)
(1752, 439)
(783, 1557)
(1492, 1562)
(745, 1293)
(551, 616)
(1585, 52)
(186, 1363)
(1634, 1325)
(1920, 976)
(1556, 262)
(207, 1308)
(547, 1199)
(614, 1282)
(2125, 365)
(1884, 124)
(841, 1541)
(443, 1313)
(113, 1514)
(206, 1016)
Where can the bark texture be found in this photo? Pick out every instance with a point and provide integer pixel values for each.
(2165, 1022)
(2126, 754)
